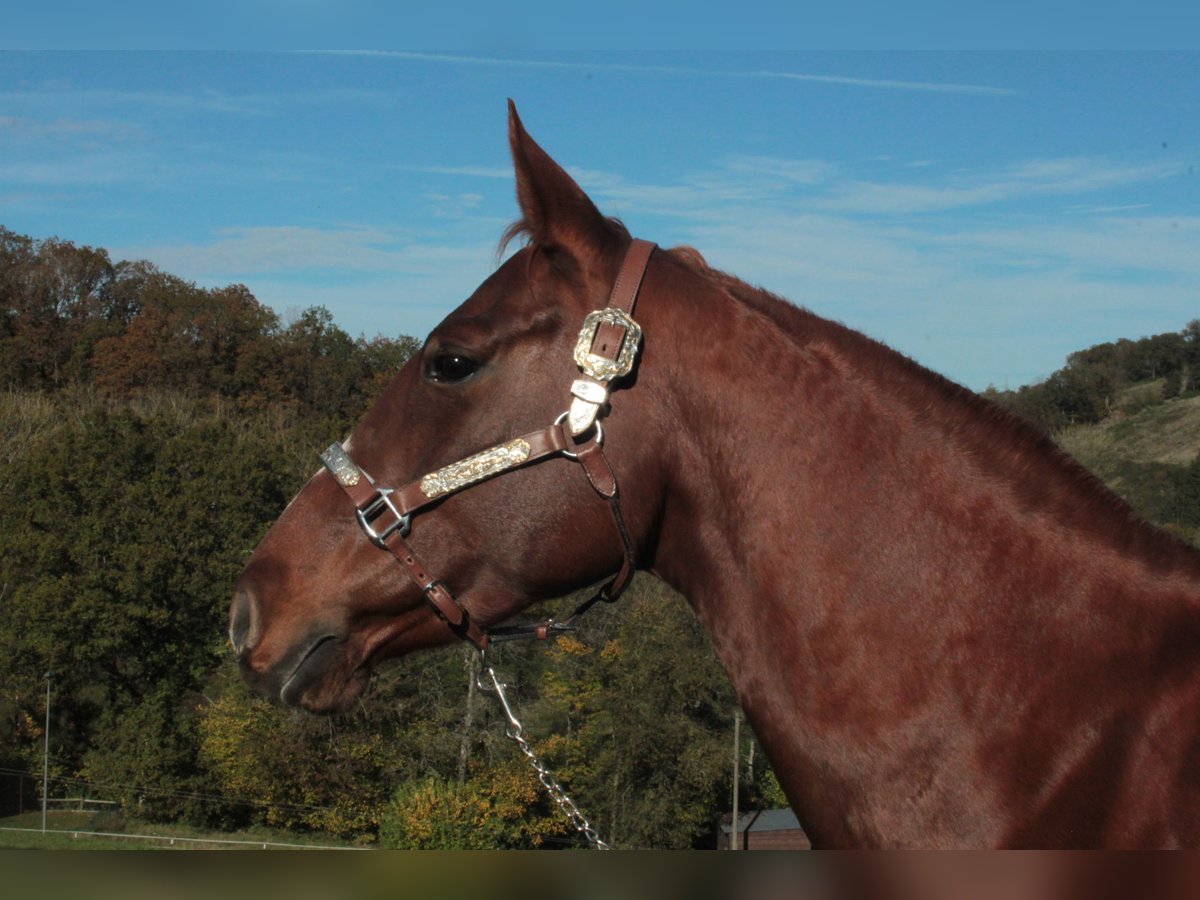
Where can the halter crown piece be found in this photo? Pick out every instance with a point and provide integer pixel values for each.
(606, 351)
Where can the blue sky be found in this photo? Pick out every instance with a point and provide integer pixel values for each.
(983, 212)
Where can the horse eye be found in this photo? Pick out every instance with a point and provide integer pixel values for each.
(450, 367)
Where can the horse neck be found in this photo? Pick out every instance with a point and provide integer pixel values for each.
(855, 533)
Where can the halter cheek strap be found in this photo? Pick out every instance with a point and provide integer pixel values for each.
(606, 351)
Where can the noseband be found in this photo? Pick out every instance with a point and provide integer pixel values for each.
(606, 351)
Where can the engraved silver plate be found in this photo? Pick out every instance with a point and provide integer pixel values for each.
(475, 468)
(341, 466)
(587, 398)
(599, 367)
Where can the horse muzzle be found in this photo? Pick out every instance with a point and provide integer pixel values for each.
(309, 673)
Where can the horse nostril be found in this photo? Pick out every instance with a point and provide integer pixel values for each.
(242, 618)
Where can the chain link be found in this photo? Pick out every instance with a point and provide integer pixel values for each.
(516, 731)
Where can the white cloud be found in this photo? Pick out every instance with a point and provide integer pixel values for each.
(690, 71)
(1097, 246)
(796, 171)
(247, 251)
(1027, 179)
(87, 168)
(206, 100)
(374, 280)
(22, 127)
(502, 172)
(817, 185)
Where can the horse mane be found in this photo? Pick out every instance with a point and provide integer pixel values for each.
(995, 436)
(522, 230)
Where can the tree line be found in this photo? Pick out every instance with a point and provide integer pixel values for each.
(1084, 390)
(152, 431)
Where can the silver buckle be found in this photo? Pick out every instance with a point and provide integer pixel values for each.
(599, 367)
(343, 468)
(367, 517)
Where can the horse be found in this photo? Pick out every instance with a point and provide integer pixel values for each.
(944, 631)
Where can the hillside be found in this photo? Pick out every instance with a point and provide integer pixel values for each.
(1148, 451)
(1129, 410)
(1167, 433)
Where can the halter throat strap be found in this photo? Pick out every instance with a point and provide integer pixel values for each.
(606, 351)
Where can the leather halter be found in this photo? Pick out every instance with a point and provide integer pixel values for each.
(605, 352)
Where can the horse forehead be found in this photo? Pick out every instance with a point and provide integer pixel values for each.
(506, 289)
(502, 307)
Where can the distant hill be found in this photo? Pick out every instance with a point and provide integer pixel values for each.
(1148, 451)
(1129, 410)
(1166, 433)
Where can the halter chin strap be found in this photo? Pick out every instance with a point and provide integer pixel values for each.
(606, 351)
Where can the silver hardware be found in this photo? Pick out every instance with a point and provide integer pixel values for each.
(599, 367)
(475, 468)
(599, 439)
(587, 401)
(366, 518)
(516, 731)
(341, 466)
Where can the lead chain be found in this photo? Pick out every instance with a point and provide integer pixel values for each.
(516, 731)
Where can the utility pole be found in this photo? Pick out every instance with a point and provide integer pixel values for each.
(735, 838)
(46, 755)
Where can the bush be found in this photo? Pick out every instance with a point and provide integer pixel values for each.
(498, 811)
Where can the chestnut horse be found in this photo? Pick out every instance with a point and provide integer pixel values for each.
(944, 631)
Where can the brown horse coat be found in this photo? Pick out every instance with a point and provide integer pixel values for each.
(944, 631)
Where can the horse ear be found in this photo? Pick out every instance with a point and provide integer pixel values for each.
(556, 212)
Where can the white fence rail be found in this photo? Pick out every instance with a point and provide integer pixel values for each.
(170, 840)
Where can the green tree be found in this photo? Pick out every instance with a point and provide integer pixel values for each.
(642, 714)
(118, 551)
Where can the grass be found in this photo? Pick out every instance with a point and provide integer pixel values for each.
(1165, 433)
(66, 831)
(1142, 450)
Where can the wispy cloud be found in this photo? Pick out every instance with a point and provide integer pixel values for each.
(502, 172)
(821, 186)
(1062, 177)
(796, 171)
(23, 127)
(886, 84)
(816, 78)
(100, 168)
(245, 251)
(379, 281)
(1051, 286)
(248, 104)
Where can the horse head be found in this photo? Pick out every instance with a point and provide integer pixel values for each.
(320, 604)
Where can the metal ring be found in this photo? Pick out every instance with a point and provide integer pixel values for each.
(599, 438)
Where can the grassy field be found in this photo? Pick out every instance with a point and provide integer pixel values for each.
(1140, 449)
(68, 830)
(1165, 433)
